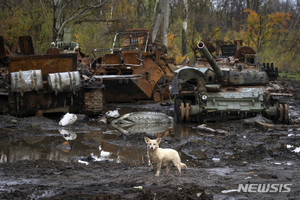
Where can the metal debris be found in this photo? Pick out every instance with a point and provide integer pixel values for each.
(203, 127)
(140, 122)
(144, 118)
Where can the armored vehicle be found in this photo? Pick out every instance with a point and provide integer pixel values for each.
(213, 94)
(49, 83)
(135, 68)
(230, 55)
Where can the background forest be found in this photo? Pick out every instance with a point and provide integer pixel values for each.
(271, 27)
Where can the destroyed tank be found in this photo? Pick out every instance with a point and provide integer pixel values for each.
(49, 83)
(135, 68)
(216, 94)
(231, 55)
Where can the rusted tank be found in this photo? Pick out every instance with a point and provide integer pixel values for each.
(135, 68)
(48, 83)
(215, 94)
(230, 55)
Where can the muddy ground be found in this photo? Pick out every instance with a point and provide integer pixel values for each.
(247, 155)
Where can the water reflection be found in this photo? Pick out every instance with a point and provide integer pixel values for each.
(68, 134)
(73, 145)
(142, 128)
(3, 158)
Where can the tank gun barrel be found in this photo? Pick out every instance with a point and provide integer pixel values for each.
(211, 60)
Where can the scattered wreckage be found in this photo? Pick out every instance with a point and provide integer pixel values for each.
(136, 68)
(140, 122)
(240, 91)
(49, 83)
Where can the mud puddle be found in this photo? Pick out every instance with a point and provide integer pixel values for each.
(87, 141)
(105, 143)
(84, 142)
(68, 146)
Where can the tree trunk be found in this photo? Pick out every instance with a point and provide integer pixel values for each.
(155, 9)
(184, 28)
(166, 10)
(156, 26)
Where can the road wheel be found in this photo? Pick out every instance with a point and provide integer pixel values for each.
(283, 113)
(177, 109)
(157, 95)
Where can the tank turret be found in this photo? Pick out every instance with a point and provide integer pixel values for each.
(235, 77)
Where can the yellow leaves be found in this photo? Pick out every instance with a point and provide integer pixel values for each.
(262, 29)
(279, 19)
(76, 36)
(216, 33)
(253, 17)
(174, 49)
(171, 38)
(270, 35)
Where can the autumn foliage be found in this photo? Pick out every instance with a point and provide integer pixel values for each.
(271, 37)
(174, 49)
(261, 30)
(270, 27)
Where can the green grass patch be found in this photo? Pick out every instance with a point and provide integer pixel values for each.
(290, 75)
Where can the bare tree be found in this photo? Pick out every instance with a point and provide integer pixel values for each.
(157, 21)
(254, 5)
(164, 13)
(66, 11)
(166, 10)
(184, 27)
(156, 26)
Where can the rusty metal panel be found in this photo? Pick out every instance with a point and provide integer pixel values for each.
(131, 58)
(110, 59)
(47, 63)
(124, 89)
(53, 50)
(26, 45)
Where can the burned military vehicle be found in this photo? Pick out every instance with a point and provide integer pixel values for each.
(233, 55)
(215, 94)
(50, 83)
(135, 68)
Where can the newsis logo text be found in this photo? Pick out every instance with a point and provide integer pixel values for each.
(264, 188)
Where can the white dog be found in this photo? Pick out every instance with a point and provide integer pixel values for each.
(162, 156)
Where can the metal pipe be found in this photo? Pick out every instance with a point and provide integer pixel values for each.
(211, 60)
(112, 49)
(146, 46)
